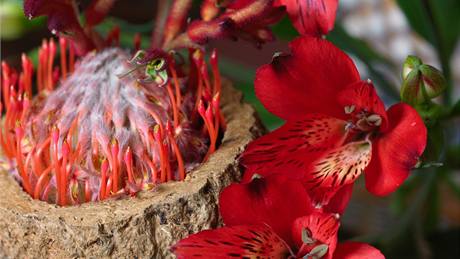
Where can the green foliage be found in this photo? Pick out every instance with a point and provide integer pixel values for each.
(13, 22)
(371, 58)
(437, 22)
(243, 77)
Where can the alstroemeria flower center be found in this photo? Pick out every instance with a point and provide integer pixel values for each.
(363, 121)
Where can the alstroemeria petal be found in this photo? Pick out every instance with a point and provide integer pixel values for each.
(339, 202)
(97, 11)
(396, 151)
(248, 241)
(305, 81)
(311, 17)
(361, 97)
(341, 165)
(292, 147)
(322, 228)
(274, 200)
(335, 168)
(356, 250)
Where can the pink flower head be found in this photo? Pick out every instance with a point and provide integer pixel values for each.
(336, 126)
(271, 217)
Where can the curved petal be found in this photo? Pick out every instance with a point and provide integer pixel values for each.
(97, 11)
(321, 227)
(292, 147)
(339, 202)
(356, 250)
(305, 81)
(248, 241)
(311, 17)
(63, 18)
(341, 165)
(361, 97)
(396, 151)
(274, 200)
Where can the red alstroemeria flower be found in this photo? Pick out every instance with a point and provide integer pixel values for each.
(271, 218)
(336, 125)
(311, 17)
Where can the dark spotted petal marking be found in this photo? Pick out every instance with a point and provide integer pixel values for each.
(295, 145)
(341, 165)
(244, 241)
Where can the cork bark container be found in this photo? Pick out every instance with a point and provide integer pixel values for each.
(140, 227)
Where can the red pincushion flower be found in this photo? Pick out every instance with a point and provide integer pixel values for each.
(336, 126)
(106, 124)
(272, 218)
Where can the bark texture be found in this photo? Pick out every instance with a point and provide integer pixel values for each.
(140, 227)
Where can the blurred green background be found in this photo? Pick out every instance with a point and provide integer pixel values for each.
(422, 219)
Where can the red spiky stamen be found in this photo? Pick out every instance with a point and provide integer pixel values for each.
(103, 185)
(50, 59)
(176, 19)
(176, 82)
(198, 62)
(19, 132)
(113, 38)
(164, 159)
(27, 73)
(63, 54)
(137, 41)
(177, 152)
(87, 191)
(114, 150)
(173, 104)
(71, 57)
(56, 154)
(128, 159)
(215, 72)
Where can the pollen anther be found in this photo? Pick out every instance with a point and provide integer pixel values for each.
(349, 109)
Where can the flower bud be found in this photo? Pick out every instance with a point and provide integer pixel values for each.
(421, 82)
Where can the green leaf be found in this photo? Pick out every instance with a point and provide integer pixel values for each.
(445, 18)
(436, 21)
(340, 37)
(456, 109)
(243, 78)
(419, 18)
(284, 29)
